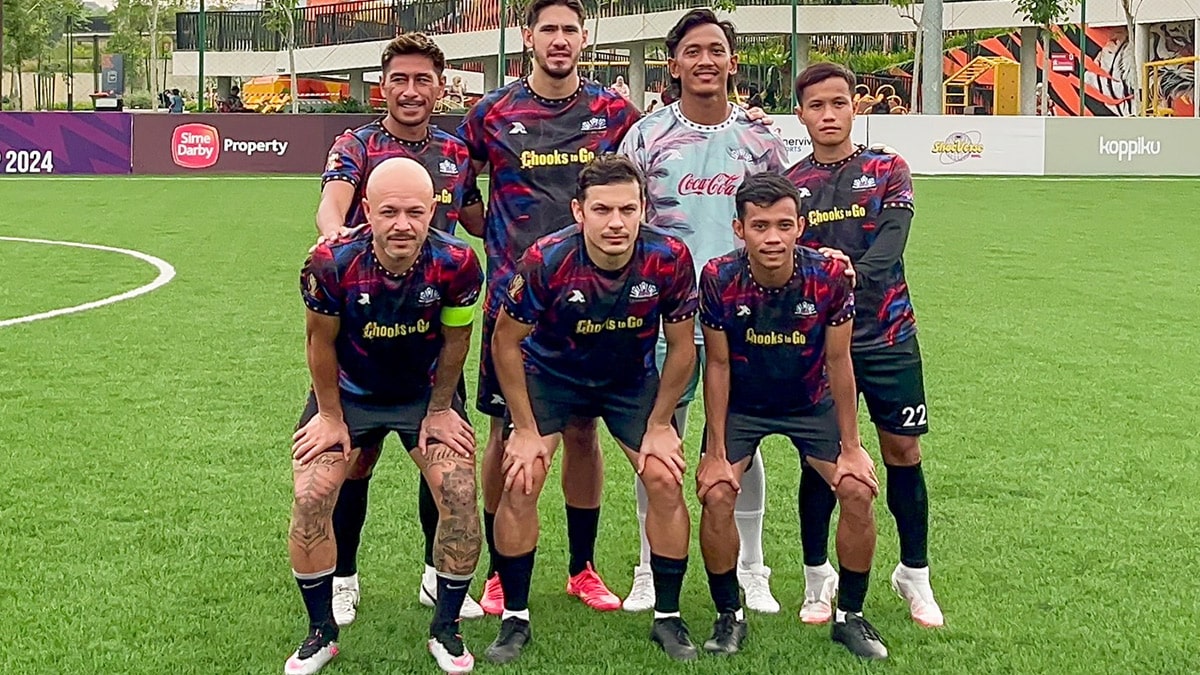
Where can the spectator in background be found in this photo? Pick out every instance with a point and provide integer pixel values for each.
(164, 100)
(650, 108)
(620, 87)
(176, 102)
(457, 92)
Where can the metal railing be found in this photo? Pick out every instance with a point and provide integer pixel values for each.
(369, 20)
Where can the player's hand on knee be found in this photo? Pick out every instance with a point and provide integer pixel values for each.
(713, 470)
(840, 256)
(854, 462)
(662, 442)
(448, 428)
(523, 450)
(320, 434)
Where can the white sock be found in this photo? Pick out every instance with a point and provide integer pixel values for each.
(840, 616)
(430, 574)
(643, 504)
(815, 575)
(748, 514)
(523, 614)
(740, 615)
(351, 580)
(665, 615)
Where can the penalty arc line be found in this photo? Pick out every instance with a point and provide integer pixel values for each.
(166, 272)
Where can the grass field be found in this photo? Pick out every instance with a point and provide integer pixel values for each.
(146, 484)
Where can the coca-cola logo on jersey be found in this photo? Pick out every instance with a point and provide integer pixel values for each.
(720, 184)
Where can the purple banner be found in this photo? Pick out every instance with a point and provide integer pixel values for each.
(63, 143)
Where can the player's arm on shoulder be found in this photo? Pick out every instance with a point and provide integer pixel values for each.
(343, 173)
(336, 196)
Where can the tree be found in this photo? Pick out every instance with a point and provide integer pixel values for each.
(31, 28)
(1130, 9)
(281, 18)
(137, 36)
(1046, 14)
(908, 10)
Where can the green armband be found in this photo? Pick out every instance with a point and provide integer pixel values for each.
(457, 317)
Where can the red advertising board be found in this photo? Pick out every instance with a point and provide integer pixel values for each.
(241, 143)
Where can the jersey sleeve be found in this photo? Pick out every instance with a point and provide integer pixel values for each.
(527, 294)
(898, 193)
(319, 283)
(632, 147)
(680, 300)
(347, 160)
(712, 311)
(777, 155)
(841, 300)
(463, 290)
(471, 130)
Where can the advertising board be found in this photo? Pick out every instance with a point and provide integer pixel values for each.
(1123, 146)
(64, 143)
(964, 144)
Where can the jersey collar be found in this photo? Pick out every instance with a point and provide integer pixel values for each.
(858, 150)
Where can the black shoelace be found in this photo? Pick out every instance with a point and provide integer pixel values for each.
(724, 626)
(314, 643)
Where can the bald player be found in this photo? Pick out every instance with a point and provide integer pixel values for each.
(388, 323)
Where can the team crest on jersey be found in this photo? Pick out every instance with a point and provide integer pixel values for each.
(515, 287)
(806, 308)
(643, 291)
(448, 168)
(863, 182)
(741, 154)
(594, 124)
(428, 296)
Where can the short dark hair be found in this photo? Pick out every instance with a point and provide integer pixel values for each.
(764, 189)
(414, 43)
(695, 19)
(819, 72)
(535, 10)
(609, 169)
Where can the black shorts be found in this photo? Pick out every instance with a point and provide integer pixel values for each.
(814, 433)
(490, 398)
(893, 385)
(625, 411)
(369, 423)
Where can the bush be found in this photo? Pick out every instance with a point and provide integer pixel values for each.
(84, 104)
(140, 101)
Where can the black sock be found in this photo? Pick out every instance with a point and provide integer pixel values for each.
(450, 596)
(909, 504)
(428, 511)
(724, 590)
(852, 590)
(515, 574)
(668, 581)
(816, 508)
(489, 535)
(582, 525)
(318, 600)
(348, 517)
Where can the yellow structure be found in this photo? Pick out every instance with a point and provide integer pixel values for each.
(1152, 103)
(1006, 86)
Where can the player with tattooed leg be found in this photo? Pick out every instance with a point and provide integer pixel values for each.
(388, 328)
